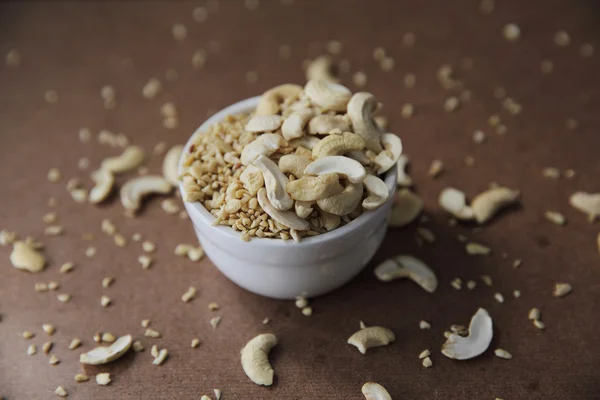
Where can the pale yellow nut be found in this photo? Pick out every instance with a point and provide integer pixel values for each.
(312, 188)
(338, 145)
(372, 336)
(255, 361)
(360, 110)
(327, 95)
(270, 101)
(25, 257)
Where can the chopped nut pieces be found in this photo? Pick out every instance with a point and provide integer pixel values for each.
(555, 217)
(137, 346)
(106, 282)
(108, 337)
(145, 261)
(562, 289)
(214, 322)
(562, 39)
(25, 257)
(427, 363)
(405, 266)
(456, 283)
(161, 357)
(425, 353)
(473, 248)
(75, 343)
(501, 353)
(372, 336)
(105, 301)
(81, 378)
(307, 311)
(539, 324)
(46, 347)
(424, 325)
(67, 267)
(189, 295)
(436, 168)
(61, 392)
(53, 360)
(49, 329)
(27, 334)
(213, 306)
(499, 297)
(145, 323)
(511, 32)
(374, 391)
(63, 297)
(103, 378)
(195, 343)
(151, 333)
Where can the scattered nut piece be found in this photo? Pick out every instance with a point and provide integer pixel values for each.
(425, 353)
(487, 204)
(487, 280)
(105, 301)
(75, 343)
(372, 336)
(407, 110)
(54, 230)
(25, 257)
(555, 217)
(407, 207)
(61, 392)
(511, 32)
(499, 297)
(456, 283)
(154, 351)
(307, 311)
(539, 324)
(562, 289)
(103, 378)
(215, 321)
(479, 137)
(67, 267)
(102, 355)
(27, 334)
(374, 391)
(586, 202)
(63, 297)
(424, 325)
(255, 359)
(145, 261)
(471, 284)
(516, 294)
(562, 39)
(49, 329)
(81, 378)
(106, 282)
(195, 343)
(145, 323)
(53, 360)
(108, 337)
(46, 347)
(189, 295)
(501, 353)
(454, 201)
(31, 350)
(480, 336)
(427, 363)
(473, 248)
(405, 266)
(137, 346)
(152, 333)
(586, 50)
(179, 31)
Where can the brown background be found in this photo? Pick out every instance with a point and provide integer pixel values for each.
(77, 48)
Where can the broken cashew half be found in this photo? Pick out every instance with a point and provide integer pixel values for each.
(455, 202)
(346, 167)
(403, 179)
(405, 266)
(266, 144)
(270, 101)
(374, 391)
(311, 188)
(586, 202)
(131, 158)
(252, 179)
(307, 142)
(255, 359)
(407, 207)
(293, 164)
(393, 149)
(286, 218)
(134, 190)
(360, 110)
(303, 208)
(334, 145)
(293, 126)
(481, 332)
(372, 336)
(378, 192)
(25, 257)
(328, 95)
(325, 124)
(488, 203)
(104, 181)
(275, 183)
(105, 354)
(263, 123)
(343, 203)
(321, 68)
(170, 166)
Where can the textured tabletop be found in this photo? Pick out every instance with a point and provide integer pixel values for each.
(69, 51)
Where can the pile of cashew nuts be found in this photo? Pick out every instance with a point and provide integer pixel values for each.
(313, 152)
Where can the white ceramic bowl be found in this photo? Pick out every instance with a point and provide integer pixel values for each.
(285, 269)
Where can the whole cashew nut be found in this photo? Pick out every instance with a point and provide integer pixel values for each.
(321, 68)
(255, 359)
(293, 126)
(481, 333)
(285, 218)
(131, 158)
(360, 110)
(485, 205)
(311, 188)
(263, 123)
(308, 142)
(346, 167)
(265, 144)
(327, 95)
(374, 391)
(378, 192)
(387, 158)
(271, 100)
(293, 164)
(343, 203)
(104, 180)
(252, 179)
(324, 124)
(275, 183)
(334, 145)
(135, 189)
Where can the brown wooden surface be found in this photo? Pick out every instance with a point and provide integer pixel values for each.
(76, 48)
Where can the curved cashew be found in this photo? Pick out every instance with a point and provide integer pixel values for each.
(481, 332)
(311, 188)
(586, 202)
(455, 202)
(393, 147)
(263, 123)
(25, 257)
(275, 183)
(293, 126)
(343, 203)
(403, 179)
(131, 158)
(308, 142)
(294, 164)
(407, 207)
(347, 167)
(360, 110)
(321, 68)
(286, 218)
(271, 100)
(266, 144)
(135, 189)
(324, 124)
(378, 192)
(333, 145)
(303, 208)
(404, 266)
(374, 391)
(104, 180)
(252, 179)
(372, 336)
(255, 359)
(170, 166)
(327, 95)
(330, 221)
(488, 203)
(102, 355)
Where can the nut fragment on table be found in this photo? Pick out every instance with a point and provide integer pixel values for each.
(480, 336)
(255, 359)
(372, 336)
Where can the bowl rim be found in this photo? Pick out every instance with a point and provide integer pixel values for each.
(200, 213)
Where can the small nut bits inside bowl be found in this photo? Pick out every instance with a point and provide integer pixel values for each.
(255, 359)
(480, 336)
